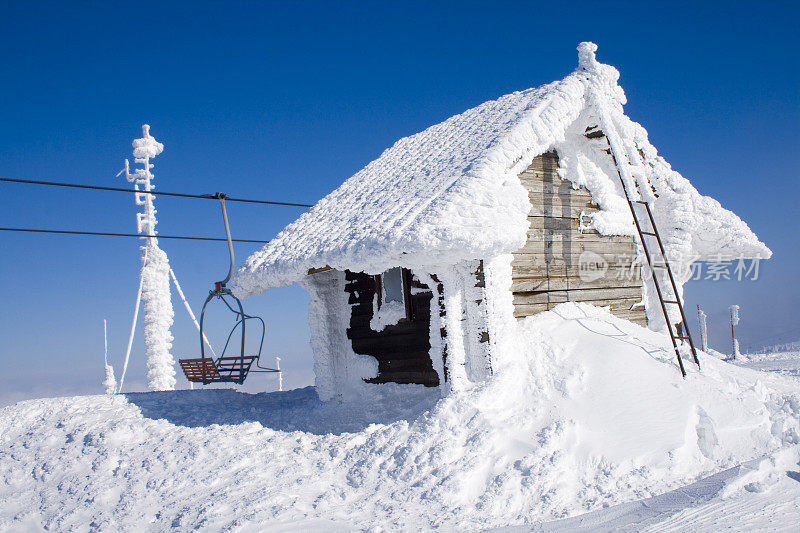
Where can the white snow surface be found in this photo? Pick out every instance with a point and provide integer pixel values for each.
(451, 192)
(760, 495)
(592, 413)
(776, 359)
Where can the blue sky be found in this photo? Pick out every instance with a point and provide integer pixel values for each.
(285, 100)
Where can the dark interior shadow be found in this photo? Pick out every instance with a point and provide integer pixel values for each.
(294, 410)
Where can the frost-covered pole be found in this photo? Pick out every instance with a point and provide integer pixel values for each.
(133, 329)
(280, 373)
(734, 322)
(189, 310)
(110, 383)
(701, 321)
(158, 312)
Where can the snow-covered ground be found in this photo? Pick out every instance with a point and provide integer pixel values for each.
(760, 495)
(592, 417)
(782, 361)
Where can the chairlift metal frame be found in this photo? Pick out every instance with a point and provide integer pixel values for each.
(231, 369)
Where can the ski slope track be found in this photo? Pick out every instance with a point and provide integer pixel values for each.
(591, 414)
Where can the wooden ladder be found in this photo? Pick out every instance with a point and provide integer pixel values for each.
(682, 333)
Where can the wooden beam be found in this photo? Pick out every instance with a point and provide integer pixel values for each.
(565, 283)
(609, 295)
(557, 208)
(620, 307)
(587, 235)
(610, 250)
(537, 187)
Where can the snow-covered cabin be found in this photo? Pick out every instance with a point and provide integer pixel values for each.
(420, 264)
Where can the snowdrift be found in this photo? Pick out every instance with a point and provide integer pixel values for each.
(592, 412)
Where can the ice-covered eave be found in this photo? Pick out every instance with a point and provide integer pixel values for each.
(370, 258)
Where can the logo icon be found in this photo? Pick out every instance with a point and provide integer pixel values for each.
(591, 266)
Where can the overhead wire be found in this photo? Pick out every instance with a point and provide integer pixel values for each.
(140, 236)
(162, 193)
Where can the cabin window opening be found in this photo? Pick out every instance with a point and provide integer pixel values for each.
(393, 286)
(392, 298)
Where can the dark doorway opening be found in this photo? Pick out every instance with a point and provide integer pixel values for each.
(402, 348)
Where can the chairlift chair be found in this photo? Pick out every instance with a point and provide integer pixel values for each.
(231, 368)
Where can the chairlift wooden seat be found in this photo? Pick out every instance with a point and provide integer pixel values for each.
(223, 370)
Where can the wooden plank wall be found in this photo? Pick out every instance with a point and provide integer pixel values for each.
(547, 270)
(402, 350)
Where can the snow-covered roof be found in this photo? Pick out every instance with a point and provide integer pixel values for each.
(452, 192)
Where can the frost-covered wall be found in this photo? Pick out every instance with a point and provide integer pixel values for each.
(475, 322)
(463, 353)
(500, 309)
(437, 329)
(339, 371)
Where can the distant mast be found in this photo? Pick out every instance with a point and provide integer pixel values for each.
(701, 320)
(734, 322)
(158, 312)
